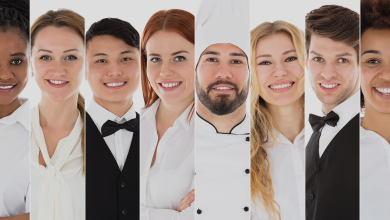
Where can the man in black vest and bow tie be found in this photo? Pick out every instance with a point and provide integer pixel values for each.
(332, 153)
(112, 125)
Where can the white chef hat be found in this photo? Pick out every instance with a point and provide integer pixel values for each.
(222, 21)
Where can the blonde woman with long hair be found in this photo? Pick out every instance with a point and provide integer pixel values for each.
(277, 122)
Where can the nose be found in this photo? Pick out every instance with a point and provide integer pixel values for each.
(328, 72)
(58, 68)
(279, 70)
(5, 72)
(114, 70)
(223, 71)
(385, 73)
(166, 70)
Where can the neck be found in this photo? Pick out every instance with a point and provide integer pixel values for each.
(223, 123)
(377, 122)
(117, 108)
(170, 112)
(58, 114)
(289, 119)
(8, 109)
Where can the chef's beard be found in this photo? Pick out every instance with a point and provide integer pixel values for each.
(221, 104)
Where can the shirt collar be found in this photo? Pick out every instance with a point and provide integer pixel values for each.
(150, 114)
(347, 109)
(100, 115)
(21, 114)
(282, 139)
(206, 126)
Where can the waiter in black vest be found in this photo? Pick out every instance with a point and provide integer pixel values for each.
(112, 125)
(332, 153)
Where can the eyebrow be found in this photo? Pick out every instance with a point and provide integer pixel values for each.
(343, 54)
(126, 51)
(372, 51)
(49, 51)
(288, 51)
(180, 51)
(237, 54)
(18, 54)
(269, 55)
(315, 53)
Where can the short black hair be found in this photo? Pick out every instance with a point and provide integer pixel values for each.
(15, 14)
(114, 27)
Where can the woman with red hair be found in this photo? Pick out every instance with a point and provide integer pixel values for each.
(167, 125)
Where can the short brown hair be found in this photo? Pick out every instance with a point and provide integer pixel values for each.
(335, 22)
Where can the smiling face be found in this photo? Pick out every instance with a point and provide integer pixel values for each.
(222, 80)
(13, 65)
(375, 70)
(333, 70)
(170, 66)
(58, 62)
(112, 69)
(278, 71)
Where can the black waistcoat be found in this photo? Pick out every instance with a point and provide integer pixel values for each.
(110, 193)
(332, 181)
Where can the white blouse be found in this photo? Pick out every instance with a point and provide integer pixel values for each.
(374, 176)
(57, 190)
(14, 161)
(287, 171)
(171, 178)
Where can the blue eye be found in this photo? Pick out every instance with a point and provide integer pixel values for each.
(45, 57)
(291, 59)
(318, 59)
(155, 59)
(265, 63)
(179, 58)
(16, 62)
(71, 57)
(373, 61)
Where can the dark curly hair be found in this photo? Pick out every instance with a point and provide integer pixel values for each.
(374, 14)
(16, 14)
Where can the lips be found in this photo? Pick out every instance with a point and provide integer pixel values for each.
(168, 86)
(7, 87)
(114, 84)
(329, 86)
(384, 91)
(55, 83)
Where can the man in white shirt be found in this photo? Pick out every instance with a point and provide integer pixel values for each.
(222, 127)
(112, 125)
(332, 154)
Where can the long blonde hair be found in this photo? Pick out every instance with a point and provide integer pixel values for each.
(262, 124)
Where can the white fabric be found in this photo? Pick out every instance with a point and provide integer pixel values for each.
(119, 142)
(222, 21)
(374, 176)
(58, 190)
(14, 161)
(346, 111)
(288, 178)
(222, 185)
(171, 178)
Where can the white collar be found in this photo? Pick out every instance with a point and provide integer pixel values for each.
(348, 109)
(21, 114)
(240, 128)
(100, 115)
(150, 114)
(282, 139)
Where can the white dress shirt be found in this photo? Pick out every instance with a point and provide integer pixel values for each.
(119, 142)
(286, 161)
(346, 111)
(222, 167)
(171, 177)
(374, 176)
(57, 190)
(15, 161)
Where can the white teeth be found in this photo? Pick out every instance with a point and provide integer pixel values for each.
(328, 86)
(57, 82)
(169, 85)
(282, 86)
(223, 88)
(115, 84)
(385, 91)
(6, 87)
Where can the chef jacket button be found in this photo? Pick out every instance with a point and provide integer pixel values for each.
(124, 212)
(317, 168)
(311, 196)
(247, 171)
(123, 184)
(246, 208)
(199, 211)
(247, 139)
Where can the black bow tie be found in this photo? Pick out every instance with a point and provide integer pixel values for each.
(110, 127)
(318, 122)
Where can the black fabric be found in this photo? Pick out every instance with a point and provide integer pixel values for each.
(332, 181)
(110, 127)
(110, 193)
(318, 122)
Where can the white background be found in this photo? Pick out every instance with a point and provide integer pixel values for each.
(136, 12)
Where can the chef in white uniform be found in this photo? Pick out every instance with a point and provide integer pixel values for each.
(222, 150)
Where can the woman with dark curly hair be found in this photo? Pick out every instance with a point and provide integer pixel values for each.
(375, 103)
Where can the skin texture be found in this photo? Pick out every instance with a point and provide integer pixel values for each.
(375, 73)
(222, 65)
(332, 62)
(13, 69)
(58, 54)
(110, 59)
(277, 64)
(170, 59)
